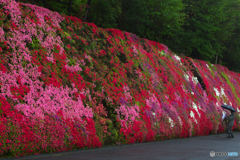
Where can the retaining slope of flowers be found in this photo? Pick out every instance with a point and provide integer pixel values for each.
(66, 84)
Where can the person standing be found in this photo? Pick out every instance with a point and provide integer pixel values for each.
(229, 121)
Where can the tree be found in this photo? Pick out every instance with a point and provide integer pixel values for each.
(158, 20)
(104, 13)
(67, 7)
(86, 10)
(206, 29)
(231, 54)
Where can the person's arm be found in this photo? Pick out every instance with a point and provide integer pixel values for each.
(226, 119)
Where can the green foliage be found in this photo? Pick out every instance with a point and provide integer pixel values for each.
(72, 61)
(154, 19)
(231, 56)
(34, 45)
(201, 26)
(232, 87)
(77, 8)
(104, 13)
(207, 29)
(58, 7)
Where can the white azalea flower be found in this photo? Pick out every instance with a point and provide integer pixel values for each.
(171, 121)
(186, 77)
(178, 58)
(180, 120)
(196, 108)
(208, 66)
(217, 93)
(192, 115)
(195, 80)
(222, 91)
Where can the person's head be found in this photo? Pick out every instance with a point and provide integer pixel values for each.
(228, 112)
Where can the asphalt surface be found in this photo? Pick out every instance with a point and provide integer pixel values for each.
(194, 148)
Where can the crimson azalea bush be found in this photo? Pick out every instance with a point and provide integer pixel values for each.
(66, 84)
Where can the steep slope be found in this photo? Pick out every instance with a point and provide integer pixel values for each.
(65, 85)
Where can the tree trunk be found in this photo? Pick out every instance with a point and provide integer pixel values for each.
(86, 11)
(220, 60)
(69, 6)
(216, 60)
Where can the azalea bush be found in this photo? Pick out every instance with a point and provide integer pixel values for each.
(66, 84)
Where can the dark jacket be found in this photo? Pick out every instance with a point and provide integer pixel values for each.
(229, 120)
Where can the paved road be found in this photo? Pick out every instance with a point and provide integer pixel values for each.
(194, 148)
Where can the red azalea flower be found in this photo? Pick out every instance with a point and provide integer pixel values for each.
(94, 31)
(82, 96)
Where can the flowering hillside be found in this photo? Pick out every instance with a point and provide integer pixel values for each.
(66, 85)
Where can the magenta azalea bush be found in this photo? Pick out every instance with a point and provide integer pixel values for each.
(66, 84)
